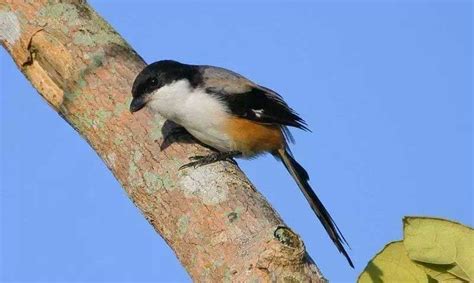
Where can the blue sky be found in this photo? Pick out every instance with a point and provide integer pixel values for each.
(386, 87)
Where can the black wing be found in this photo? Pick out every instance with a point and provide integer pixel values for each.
(248, 100)
(260, 105)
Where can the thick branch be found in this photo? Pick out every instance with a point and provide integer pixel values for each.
(219, 226)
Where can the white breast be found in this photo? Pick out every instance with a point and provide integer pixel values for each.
(201, 114)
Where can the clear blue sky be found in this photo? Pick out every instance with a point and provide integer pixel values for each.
(386, 88)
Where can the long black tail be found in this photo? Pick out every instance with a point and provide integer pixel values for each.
(301, 177)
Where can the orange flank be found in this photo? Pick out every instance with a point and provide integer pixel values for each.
(252, 138)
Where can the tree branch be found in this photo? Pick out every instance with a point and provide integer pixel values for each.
(219, 226)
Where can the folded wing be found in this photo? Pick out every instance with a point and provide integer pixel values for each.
(248, 100)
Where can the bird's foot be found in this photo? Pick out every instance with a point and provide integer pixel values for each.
(200, 160)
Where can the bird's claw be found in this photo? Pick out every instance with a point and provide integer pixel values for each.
(197, 157)
(187, 165)
(200, 160)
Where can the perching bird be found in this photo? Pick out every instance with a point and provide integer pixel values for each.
(231, 114)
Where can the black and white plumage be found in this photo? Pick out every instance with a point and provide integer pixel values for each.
(230, 113)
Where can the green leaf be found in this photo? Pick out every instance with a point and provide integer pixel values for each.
(440, 273)
(440, 242)
(392, 264)
(433, 250)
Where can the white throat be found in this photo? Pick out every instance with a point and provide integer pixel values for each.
(168, 100)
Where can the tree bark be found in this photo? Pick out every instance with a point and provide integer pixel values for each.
(219, 226)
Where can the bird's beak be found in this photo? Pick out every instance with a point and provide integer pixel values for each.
(137, 103)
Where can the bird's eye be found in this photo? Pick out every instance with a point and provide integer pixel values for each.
(154, 81)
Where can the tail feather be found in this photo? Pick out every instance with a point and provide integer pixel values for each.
(301, 177)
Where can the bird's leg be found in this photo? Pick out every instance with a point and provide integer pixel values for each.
(211, 158)
(174, 133)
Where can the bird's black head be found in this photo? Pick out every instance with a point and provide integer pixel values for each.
(157, 75)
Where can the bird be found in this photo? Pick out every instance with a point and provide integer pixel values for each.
(231, 114)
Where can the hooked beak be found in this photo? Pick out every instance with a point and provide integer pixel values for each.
(137, 103)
